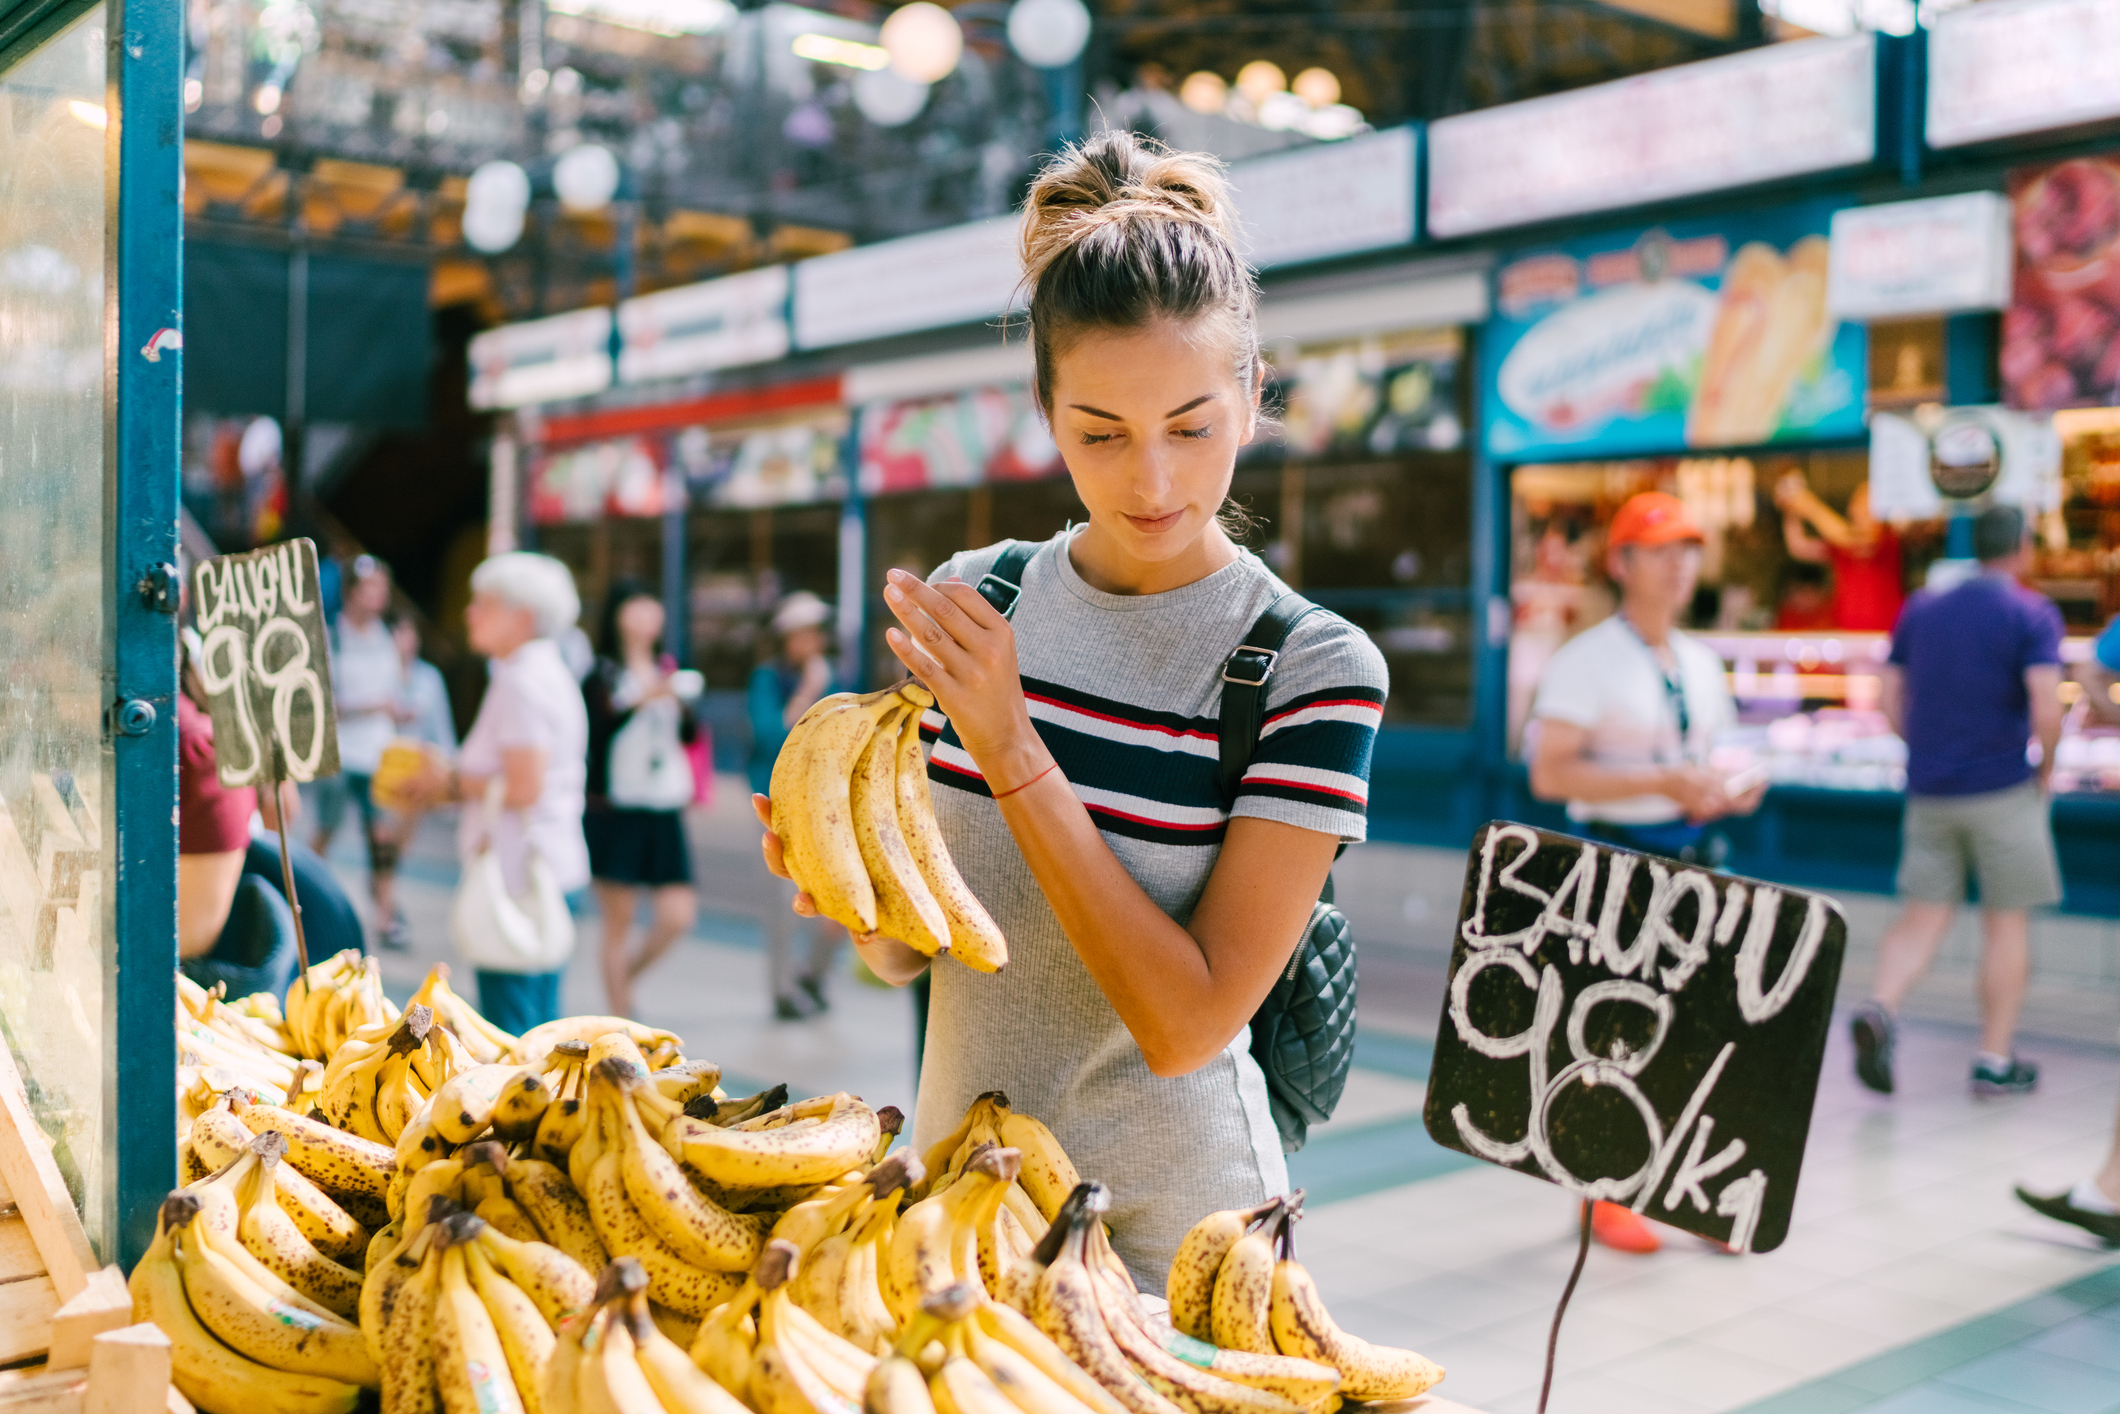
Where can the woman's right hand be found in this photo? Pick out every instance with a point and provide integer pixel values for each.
(889, 959)
(762, 806)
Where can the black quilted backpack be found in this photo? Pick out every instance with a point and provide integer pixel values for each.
(1302, 1035)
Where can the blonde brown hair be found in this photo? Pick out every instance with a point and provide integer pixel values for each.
(1120, 231)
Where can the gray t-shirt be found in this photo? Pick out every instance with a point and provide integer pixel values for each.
(1126, 693)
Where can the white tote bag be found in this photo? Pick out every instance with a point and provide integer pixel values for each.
(498, 931)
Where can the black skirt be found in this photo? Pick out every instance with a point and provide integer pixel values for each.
(641, 847)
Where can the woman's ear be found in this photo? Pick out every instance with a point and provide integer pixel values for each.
(1252, 405)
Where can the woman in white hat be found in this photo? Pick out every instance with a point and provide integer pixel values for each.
(782, 689)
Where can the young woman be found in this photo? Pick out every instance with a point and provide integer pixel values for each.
(1074, 752)
(640, 781)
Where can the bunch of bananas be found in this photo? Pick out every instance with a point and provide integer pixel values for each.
(222, 1046)
(302, 1233)
(1236, 1282)
(858, 832)
(354, 1171)
(384, 1072)
(613, 1356)
(242, 1338)
(1047, 1176)
(648, 1042)
(334, 999)
(505, 1102)
(463, 1318)
(963, 1354)
(484, 1041)
(956, 1234)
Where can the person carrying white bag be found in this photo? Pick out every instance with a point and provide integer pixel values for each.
(521, 776)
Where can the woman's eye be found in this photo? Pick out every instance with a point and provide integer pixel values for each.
(1194, 433)
(1091, 439)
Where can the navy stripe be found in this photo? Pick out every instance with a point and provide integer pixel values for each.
(1127, 712)
(1302, 796)
(1325, 694)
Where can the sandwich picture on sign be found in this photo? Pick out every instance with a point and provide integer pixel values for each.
(1636, 1030)
(265, 664)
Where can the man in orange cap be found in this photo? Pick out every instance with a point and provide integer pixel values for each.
(1626, 714)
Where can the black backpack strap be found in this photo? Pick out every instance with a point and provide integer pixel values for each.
(1244, 678)
(1001, 585)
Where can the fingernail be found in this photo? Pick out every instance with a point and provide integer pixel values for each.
(897, 576)
(892, 592)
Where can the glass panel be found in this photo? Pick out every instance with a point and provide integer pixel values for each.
(55, 935)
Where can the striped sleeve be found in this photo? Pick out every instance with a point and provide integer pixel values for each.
(1324, 704)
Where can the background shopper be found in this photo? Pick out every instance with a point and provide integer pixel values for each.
(367, 682)
(1868, 570)
(781, 690)
(1627, 713)
(1146, 916)
(1975, 673)
(532, 736)
(639, 783)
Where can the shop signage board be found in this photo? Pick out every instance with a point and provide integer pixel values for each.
(1941, 255)
(542, 360)
(1695, 334)
(963, 439)
(725, 323)
(1330, 199)
(619, 476)
(1758, 116)
(1636, 1030)
(265, 662)
(958, 275)
(2061, 336)
(2005, 68)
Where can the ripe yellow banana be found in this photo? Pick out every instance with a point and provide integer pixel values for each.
(534, 1045)
(961, 1387)
(794, 1154)
(1064, 1306)
(272, 1332)
(927, 1245)
(554, 1282)
(274, 1239)
(1048, 1174)
(1183, 1382)
(728, 1339)
(339, 1162)
(525, 1336)
(219, 1139)
(783, 1379)
(865, 1318)
(696, 1228)
(213, 1377)
(813, 810)
(464, 1106)
(1005, 1326)
(1302, 1327)
(974, 939)
(897, 1387)
(484, 1041)
(520, 1106)
(557, 1207)
(219, 1225)
(681, 1386)
(1243, 1292)
(673, 1281)
(810, 1222)
(507, 1215)
(387, 1279)
(905, 907)
(560, 1126)
(1190, 1288)
(470, 1364)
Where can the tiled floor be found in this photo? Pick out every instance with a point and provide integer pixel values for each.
(1912, 1282)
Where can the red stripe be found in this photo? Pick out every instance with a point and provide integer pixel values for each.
(938, 761)
(1108, 717)
(1306, 785)
(1329, 702)
(714, 407)
(1147, 819)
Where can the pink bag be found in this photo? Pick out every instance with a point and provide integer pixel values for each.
(700, 752)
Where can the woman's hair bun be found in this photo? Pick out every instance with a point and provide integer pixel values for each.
(1120, 230)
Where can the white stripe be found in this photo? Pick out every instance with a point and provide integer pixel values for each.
(933, 720)
(1124, 733)
(1145, 809)
(955, 756)
(1309, 776)
(1361, 714)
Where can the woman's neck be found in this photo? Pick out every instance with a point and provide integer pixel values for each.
(641, 659)
(1104, 565)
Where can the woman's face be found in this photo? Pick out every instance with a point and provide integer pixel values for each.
(369, 595)
(496, 627)
(640, 622)
(1149, 421)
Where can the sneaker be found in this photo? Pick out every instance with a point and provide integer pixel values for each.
(396, 938)
(2103, 1226)
(1874, 1036)
(1622, 1230)
(788, 1009)
(2019, 1077)
(814, 987)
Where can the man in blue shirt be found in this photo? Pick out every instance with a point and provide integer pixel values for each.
(1975, 673)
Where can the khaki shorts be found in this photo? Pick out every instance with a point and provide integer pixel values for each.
(2004, 838)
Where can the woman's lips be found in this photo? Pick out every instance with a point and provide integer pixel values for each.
(1152, 524)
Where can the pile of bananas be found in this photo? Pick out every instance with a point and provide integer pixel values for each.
(485, 1042)
(1236, 1284)
(858, 832)
(963, 1354)
(332, 1000)
(222, 1045)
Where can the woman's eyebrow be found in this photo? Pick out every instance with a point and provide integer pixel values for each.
(1180, 412)
(1096, 412)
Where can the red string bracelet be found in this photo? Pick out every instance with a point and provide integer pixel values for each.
(1029, 783)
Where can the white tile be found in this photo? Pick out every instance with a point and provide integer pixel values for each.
(1715, 1378)
(1787, 1335)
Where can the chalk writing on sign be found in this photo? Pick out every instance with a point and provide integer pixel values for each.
(265, 663)
(1636, 1030)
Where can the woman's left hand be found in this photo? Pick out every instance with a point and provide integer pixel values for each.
(964, 651)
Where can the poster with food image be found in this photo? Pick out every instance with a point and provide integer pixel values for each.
(2061, 333)
(1688, 335)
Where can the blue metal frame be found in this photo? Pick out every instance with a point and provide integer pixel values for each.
(145, 152)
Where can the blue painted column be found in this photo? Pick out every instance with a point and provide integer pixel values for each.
(853, 567)
(145, 138)
(1490, 627)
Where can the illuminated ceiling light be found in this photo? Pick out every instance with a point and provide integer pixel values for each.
(1282, 111)
(1260, 79)
(924, 42)
(267, 99)
(494, 202)
(194, 95)
(1320, 88)
(1204, 92)
(1335, 120)
(586, 177)
(826, 49)
(1047, 34)
(887, 98)
(88, 113)
(669, 18)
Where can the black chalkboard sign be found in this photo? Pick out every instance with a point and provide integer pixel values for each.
(265, 662)
(1636, 1029)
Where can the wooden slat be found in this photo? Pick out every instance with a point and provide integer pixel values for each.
(38, 1389)
(129, 1372)
(105, 1305)
(19, 1257)
(32, 1176)
(26, 1309)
